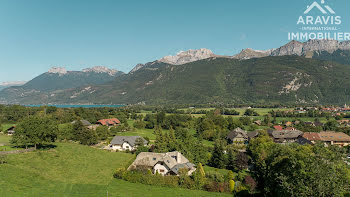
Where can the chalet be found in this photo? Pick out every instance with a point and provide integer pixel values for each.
(328, 138)
(109, 122)
(286, 136)
(257, 122)
(162, 163)
(11, 130)
(237, 135)
(122, 143)
(334, 138)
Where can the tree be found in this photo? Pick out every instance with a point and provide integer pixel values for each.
(65, 132)
(218, 157)
(250, 112)
(139, 142)
(241, 161)
(139, 124)
(83, 135)
(35, 130)
(293, 170)
(199, 177)
(102, 132)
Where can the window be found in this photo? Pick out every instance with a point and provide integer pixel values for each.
(127, 146)
(154, 158)
(161, 170)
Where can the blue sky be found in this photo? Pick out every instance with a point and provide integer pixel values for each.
(38, 34)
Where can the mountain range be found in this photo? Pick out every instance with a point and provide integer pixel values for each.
(316, 71)
(11, 83)
(56, 80)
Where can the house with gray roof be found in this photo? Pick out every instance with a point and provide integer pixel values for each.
(238, 136)
(169, 163)
(286, 136)
(122, 143)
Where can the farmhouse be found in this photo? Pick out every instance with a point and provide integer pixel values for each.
(122, 143)
(237, 135)
(109, 122)
(169, 163)
(334, 138)
(286, 136)
(312, 137)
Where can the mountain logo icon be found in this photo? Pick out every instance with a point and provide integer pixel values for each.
(322, 8)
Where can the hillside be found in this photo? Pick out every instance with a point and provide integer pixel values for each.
(56, 80)
(75, 170)
(285, 79)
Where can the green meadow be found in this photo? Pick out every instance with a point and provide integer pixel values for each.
(75, 170)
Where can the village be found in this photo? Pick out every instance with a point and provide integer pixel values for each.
(191, 143)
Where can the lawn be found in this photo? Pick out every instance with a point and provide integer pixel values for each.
(75, 170)
(4, 139)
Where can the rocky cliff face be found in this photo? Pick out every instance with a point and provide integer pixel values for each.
(302, 48)
(101, 69)
(182, 57)
(188, 56)
(58, 70)
(251, 53)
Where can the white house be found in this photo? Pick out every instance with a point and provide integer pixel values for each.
(122, 143)
(162, 163)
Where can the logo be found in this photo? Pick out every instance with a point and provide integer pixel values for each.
(319, 21)
(320, 8)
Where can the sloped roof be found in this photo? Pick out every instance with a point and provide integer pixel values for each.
(119, 140)
(178, 167)
(84, 122)
(149, 159)
(253, 134)
(334, 136)
(232, 134)
(311, 136)
(111, 121)
(278, 127)
(286, 134)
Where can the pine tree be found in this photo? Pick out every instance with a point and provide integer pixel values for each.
(218, 157)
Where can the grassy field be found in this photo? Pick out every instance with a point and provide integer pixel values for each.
(4, 139)
(75, 170)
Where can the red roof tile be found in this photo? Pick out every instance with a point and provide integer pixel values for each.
(311, 136)
(278, 127)
(112, 121)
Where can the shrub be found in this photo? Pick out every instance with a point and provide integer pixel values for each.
(232, 185)
(3, 159)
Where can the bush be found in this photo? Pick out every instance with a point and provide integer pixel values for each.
(3, 159)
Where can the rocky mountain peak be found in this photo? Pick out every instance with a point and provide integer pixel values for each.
(191, 55)
(302, 48)
(137, 67)
(58, 70)
(101, 69)
(251, 53)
